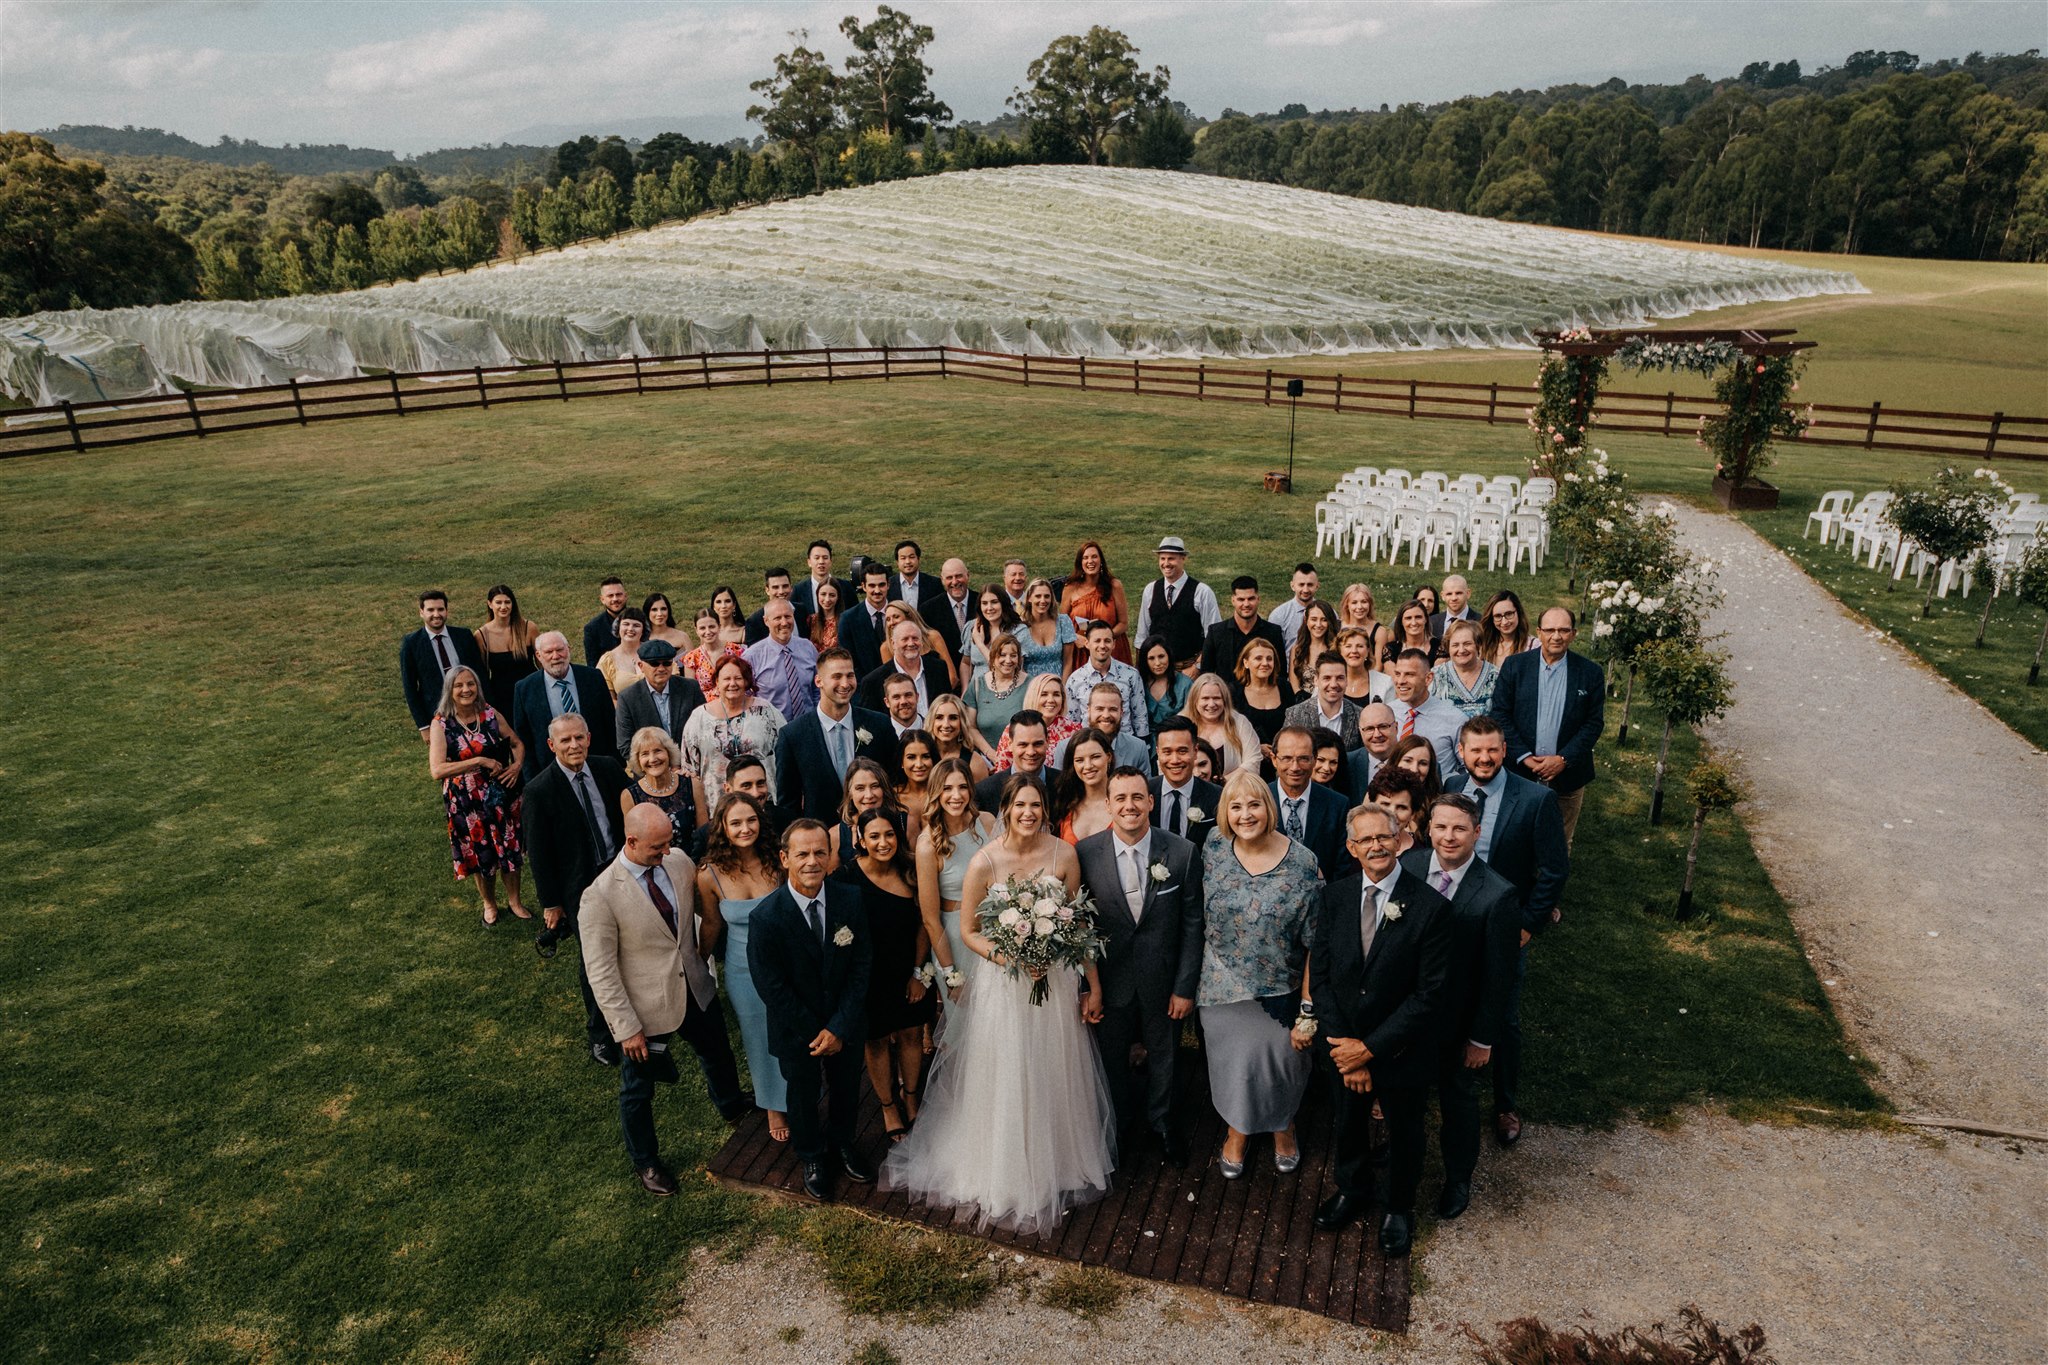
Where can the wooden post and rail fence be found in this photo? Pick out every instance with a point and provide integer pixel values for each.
(80, 427)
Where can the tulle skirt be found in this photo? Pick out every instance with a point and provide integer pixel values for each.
(1016, 1125)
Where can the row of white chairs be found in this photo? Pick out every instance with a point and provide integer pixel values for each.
(1857, 526)
(1379, 511)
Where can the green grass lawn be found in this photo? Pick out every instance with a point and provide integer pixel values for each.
(272, 1093)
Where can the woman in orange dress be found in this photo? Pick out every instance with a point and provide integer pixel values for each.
(1094, 594)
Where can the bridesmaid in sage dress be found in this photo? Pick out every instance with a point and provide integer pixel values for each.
(736, 876)
(954, 831)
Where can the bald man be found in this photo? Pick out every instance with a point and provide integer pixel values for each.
(646, 955)
(1457, 600)
(1378, 733)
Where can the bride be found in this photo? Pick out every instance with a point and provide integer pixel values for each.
(1016, 1125)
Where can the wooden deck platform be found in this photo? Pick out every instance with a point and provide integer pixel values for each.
(1252, 1239)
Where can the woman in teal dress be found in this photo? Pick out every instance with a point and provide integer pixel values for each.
(954, 832)
(737, 875)
(1166, 687)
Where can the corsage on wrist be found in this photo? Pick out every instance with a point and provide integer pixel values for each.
(955, 978)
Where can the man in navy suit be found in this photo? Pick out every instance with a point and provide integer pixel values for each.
(601, 632)
(1551, 705)
(1521, 836)
(809, 953)
(815, 748)
(925, 594)
(561, 688)
(1485, 921)
(1379, 954)
(1182, 803)
(428, 655)
(569, 819)
(804, 596)
(862, 629)
(1310, 814)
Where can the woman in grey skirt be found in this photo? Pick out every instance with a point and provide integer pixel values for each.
(1261, 891)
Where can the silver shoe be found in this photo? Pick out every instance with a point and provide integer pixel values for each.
(1287, 1165)
(1232, 1170)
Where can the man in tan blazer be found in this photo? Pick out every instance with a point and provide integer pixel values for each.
(644, 953)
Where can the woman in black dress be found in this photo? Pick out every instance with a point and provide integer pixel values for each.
(654, 772)
(506, 640)
(1262, 695)
(900, 1000)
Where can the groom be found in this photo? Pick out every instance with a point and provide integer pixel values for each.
(1147, 888)
(809, 954)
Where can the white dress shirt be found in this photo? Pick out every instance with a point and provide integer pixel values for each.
(1133, 858)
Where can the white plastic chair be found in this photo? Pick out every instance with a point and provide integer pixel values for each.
(1525, 532)
(1511, 482)
(1333, 524)
(1435, 480)
(1393, 478)
(1540, 488)
(1468, 483)
(1369, 528)
(1406, 528)
(1834, 505)
(1488, 528)
(1441, 531)
(1366, 474)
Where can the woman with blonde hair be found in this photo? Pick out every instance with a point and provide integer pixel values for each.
(1355, 608)
(954, 831)
(1046, 634)
(1260, 894)
(1262, 694)
(654, 772)
(996, 694)
(1048, 697)
(1363, 683)
(1217, 721)
(946, 721)
(475, 755)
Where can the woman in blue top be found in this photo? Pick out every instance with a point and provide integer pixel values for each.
(737, 874)
(1046, 633)
(1260, 890)
(1166, 687)
(1464, 678)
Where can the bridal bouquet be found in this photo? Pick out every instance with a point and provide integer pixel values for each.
(1034, 923)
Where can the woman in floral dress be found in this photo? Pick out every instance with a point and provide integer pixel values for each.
(477, 758)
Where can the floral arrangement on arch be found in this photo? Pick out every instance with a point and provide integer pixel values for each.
(1703, 358)
(1754, 394)
(1566, 389)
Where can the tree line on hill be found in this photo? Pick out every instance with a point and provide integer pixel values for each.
(1882, 154)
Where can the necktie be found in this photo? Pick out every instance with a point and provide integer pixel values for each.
(1294, 819)
(875, 619)
(1443, 884)
(1408, 725)
(567, 694)
(600, 830)
(842, 757)
(1169, 597)
(814, 915)
(1368, 921)
(1173, 820)
(661, 903)
(1478, 795)
(441, 648)
(1134, 883)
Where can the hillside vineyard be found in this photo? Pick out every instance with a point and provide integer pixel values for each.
(1033, 260)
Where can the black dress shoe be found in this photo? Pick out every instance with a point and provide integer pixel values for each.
(1338, 1210)
(857, 1170)
(546, 944)
(741, 1108)
(1456, 1198)
(1507, 1128)
(818, 1181)
(605, 1054)
(1174, 1144)
(1397, 1234)
(657, 1180)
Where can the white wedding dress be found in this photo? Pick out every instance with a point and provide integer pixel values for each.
(1016, 1124)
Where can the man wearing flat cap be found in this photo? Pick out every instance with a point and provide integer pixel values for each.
(659, 698)
(1177, 608)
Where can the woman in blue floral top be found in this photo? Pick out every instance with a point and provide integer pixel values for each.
(1463, 678)
(1261, 892)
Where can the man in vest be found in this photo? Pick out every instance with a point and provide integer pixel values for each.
(1177, 608)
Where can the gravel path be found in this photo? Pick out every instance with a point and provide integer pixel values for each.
(1906, 826)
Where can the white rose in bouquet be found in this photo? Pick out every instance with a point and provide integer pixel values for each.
(1010, 918)
(1044, 926)
(1045, 906)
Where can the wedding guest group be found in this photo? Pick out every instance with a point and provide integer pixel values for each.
(1325, 842)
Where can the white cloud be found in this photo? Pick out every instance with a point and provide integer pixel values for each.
(1327, 35)
(490, 49)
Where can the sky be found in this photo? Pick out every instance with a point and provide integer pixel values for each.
(425, 74)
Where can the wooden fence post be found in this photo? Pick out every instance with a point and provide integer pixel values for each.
(1991, 441)
(1340, 396)
(704, 359)
(1084, 371)
(298, 400)
(561, 383)
(885, 361)
(192, 406)
(1134, 377)
(71, 420)
(483, 395)
(944, 351)
(1202, 382)
(1411, 398)
(1027, 369)
(638, 385)
(1870, 432)
(1269, 388)
(1669, 399)
(829, 376)
(397, 401)
(768, 368)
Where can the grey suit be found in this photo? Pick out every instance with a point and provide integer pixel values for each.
(1148, 960)
(1308, 714)
(638, 712)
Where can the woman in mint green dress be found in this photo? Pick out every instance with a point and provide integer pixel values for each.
(737, 874)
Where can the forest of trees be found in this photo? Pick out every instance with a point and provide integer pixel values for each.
(1880, 156)
(1883, 154)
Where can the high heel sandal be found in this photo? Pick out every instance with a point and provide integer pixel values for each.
(891, 1131)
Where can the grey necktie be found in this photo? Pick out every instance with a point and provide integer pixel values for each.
(1134, 882)
(842, 756)
(1368, 921)
(567, 695)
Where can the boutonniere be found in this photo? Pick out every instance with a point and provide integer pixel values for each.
(1196, 815)
(1392, 912)
(1159, 873)
(864, 735)
(844, 937)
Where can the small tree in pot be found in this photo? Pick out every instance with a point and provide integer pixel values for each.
(2028, 581)
(1714, 787)
(1691, 683)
